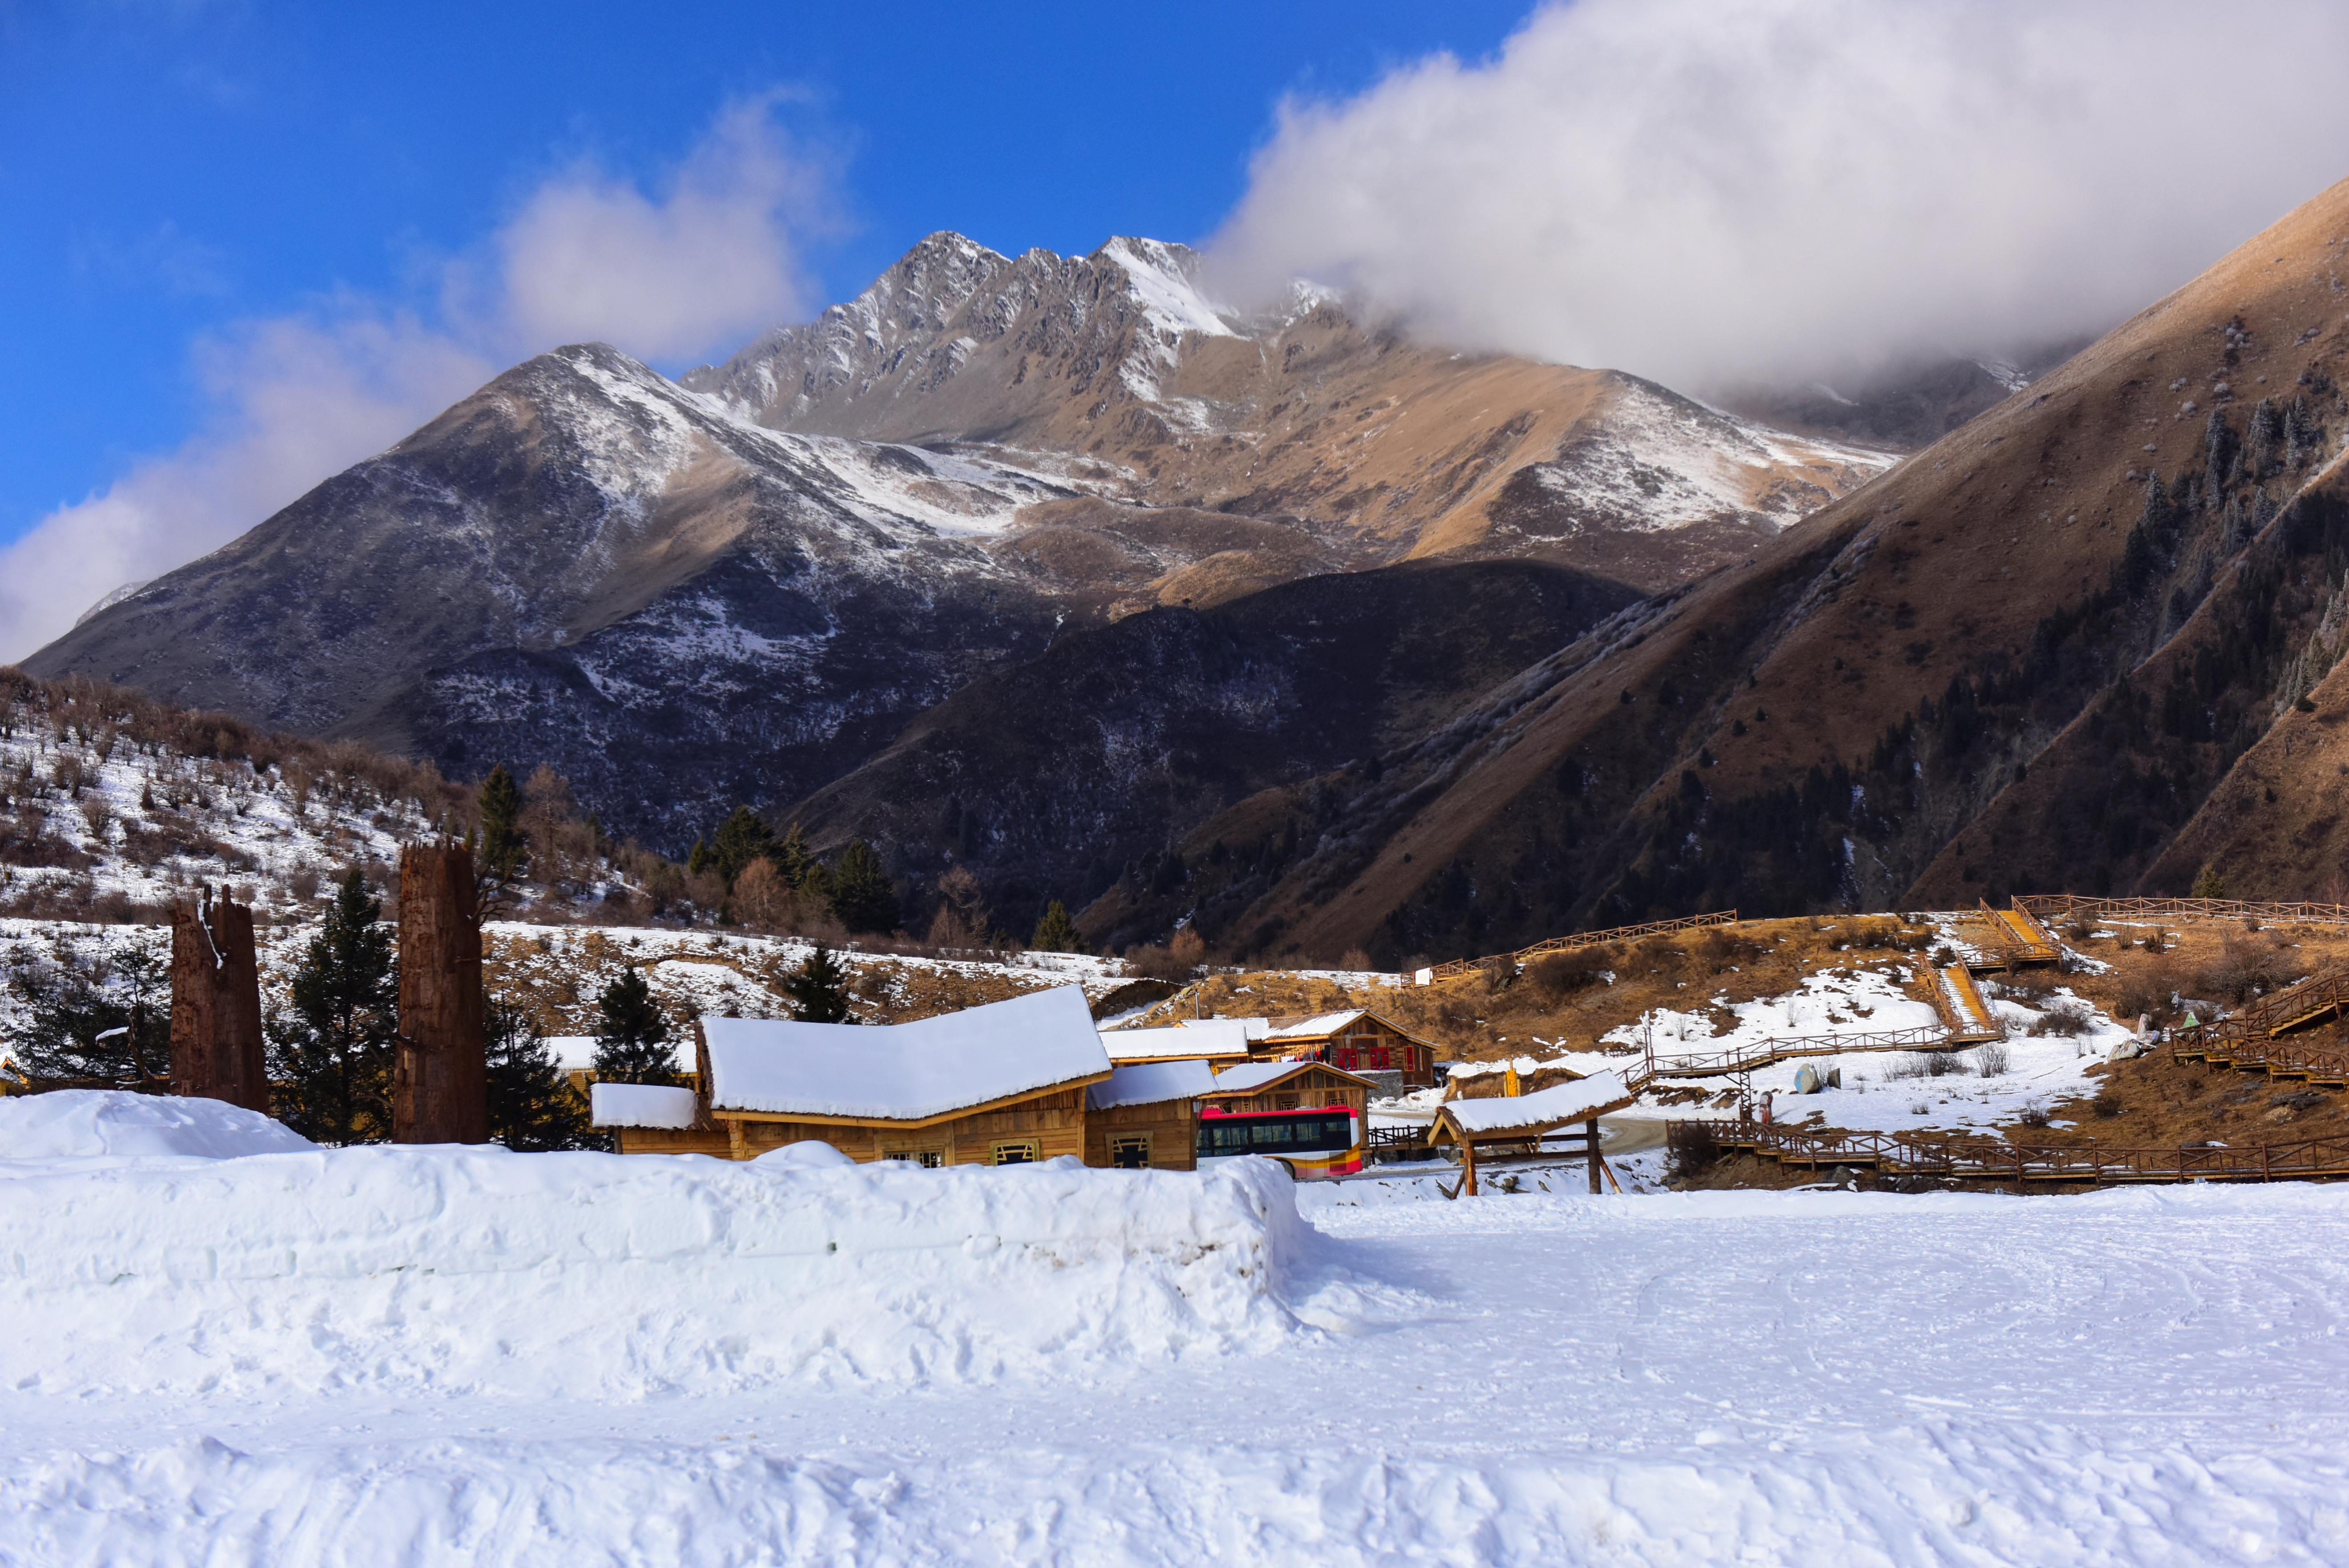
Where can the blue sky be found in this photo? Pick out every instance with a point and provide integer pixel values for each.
(246, 244)
(170, 168)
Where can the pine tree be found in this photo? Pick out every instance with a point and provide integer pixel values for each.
(331, 1055)
(742, 839)
(532, 1107)
(793, 858)
(632, 1034)
(2259, 440)
(2219, 451)
(862, 895)
(700, 858)
(819, 989)
(1056, 933)
(2208, 884)
(505, 848)
(113, 1028)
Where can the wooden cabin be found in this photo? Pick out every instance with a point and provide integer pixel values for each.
(1356, 1041)
(1000, 1085)
(1218, 1041)
(1288, 1086)
(1146, 1116)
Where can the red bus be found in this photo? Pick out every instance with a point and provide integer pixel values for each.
(1314, 1144)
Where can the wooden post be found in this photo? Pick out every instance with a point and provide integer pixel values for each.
(439, 1081)
(1468, 1167)
(1591, 1147)
(216, 1003)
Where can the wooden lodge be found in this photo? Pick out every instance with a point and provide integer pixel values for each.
(1006, 1084)
(1288, 1086)
(1356, 1041)
(1146, 1116)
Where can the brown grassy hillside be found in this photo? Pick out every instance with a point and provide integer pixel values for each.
(2009, 663)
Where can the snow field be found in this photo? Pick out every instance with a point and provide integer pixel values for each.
(447, 1272)
(2144, 1376)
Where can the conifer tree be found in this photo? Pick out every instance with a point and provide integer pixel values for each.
(532, 1108)
(793, 859)
(700, 859)
(862, 895)
(80, 1028)
(632, 1034)
(331, 1055)
(819, 989)
(1056, 933)
(505, 848)
(742, 839)
(2208, 884)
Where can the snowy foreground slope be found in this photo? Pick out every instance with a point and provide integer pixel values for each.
(421, 1356)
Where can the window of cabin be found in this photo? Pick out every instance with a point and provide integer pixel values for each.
(1017, 1151)
(1130, 1151)
(928, 1158)
(1284, 1102)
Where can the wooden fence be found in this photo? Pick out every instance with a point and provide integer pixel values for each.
(1454, 967)
(1910, 1154)
(2060, 906)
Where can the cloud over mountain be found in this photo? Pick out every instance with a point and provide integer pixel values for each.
(1701, 190)
(710, 255)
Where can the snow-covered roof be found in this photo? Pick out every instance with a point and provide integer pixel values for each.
(641, 1105)
(1250, 1076)
(1577, 1101)
(1253, 1028)
(1149, 1083)
(1320, 1023)
(1205, 1037)
(573, 1052)
(905, 1072)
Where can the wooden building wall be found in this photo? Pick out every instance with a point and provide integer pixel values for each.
(1051, 1125)
(1368, 1045)
(1172, 1127)
(1313, 1087)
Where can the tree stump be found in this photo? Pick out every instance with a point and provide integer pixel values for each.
(216, 1050)
(439, 1081)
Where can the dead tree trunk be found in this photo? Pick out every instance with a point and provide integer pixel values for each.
(439, 1082)
(216, 1004)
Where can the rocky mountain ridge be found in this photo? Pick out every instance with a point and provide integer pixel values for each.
(741, 587)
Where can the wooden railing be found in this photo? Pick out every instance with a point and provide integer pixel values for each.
(2061, 905)
(1910, 1154)
(1762, 1053)
(1454, 967)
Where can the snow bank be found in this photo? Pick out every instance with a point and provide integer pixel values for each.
(590, 1275)
(73, 1123)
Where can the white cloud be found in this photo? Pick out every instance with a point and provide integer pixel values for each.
(293, 400)
(712, 261)
(1702, 191)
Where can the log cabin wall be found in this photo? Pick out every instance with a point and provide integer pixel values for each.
(1167, 1129)
(440, 1086)
(1050, 1125)
(216, 1046)
(1313, 1087)
(1368, 1045)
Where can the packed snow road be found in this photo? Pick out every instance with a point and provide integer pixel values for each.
(2141, 1377)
